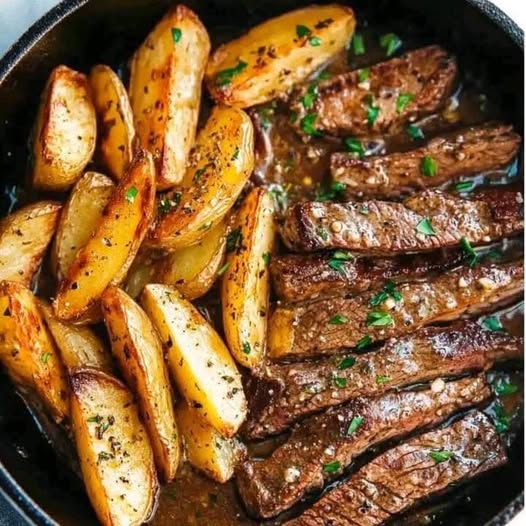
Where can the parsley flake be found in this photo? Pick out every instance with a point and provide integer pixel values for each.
(379, 319)
(246, 348)
(234, 240)
(466, 247)
(425, 227)
(415, 132)
(464, 186)
(354, 146)
(308, 99)
(176, 34)
(358, 45)
(338, 319)
(492, 323)
(429, 166)
(223, 269)
(391, 43)
(225, 76)
(505, 388)
(346, 363)
(307, 124)
(332, 467)
(380, 380)
(356, 422)
(338, 259)
(364, 342)
(131, 194)
(440, 456)
(340, 382)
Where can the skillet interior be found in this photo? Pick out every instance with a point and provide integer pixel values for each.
(108, 31)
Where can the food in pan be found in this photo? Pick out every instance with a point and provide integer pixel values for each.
(287, 295)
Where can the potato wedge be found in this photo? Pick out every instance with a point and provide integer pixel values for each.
(78, 346)
(193, 270)
(114, 450)
(222, 162)
(109, 253)
(116, 132)
(273, 56)
(205, 448)
(205, 373)
(245, 284)
(165, 91)
(142, 272)
(65, 131)
(28, 352)
(24, 238)
(79, 219)
(140, 356)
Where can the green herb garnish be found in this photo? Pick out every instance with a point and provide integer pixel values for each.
(380, 380)
(363, 75)
(340, 382)
(131, 194)
(246, 348)
(323, 233)
(391, 43)
(492, 324)
(336, 188)
(354, 146)
(332, 467)
(308, 99)
(302, 31)
(429, 166)
(315, 41)
(364, 342)
(440, 456)
(267, 256)
(176, 34)
(505, 388)
(379, 319)
(45, 357)
(225, 76)
(403, 100)
(223, 269)
(466, 247)
(387, 291)
(346, 363)
(357, 44)
(338, 319)
(503, 420)
(338, 259)
(234, 240)
(356, 422)
(372, 113)
(415, 132)
(425, 227)
(307, 125)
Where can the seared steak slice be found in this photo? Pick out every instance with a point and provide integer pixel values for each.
(426, 221)
(315, 276)
(286, 393)
(403, 89)
(464, 153)
(323, 446)
(327, 325)
(405, 474)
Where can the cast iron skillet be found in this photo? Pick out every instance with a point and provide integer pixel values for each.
(81, 33)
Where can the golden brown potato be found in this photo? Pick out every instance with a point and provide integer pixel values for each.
(65, 131)
(78, 346)
(205, 448)
(114, 450)
(116, 132)
(273, 56)
(109, 253)
(79, 219)
(28, 352)
(140, 356)
(165, 90)
(24, 238)
(205, 373)
(222, 162)
(245, 284)
(193, 270)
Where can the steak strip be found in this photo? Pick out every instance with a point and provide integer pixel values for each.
(424, 77)
(289, 392)
(405, 474)
(465, 153)
(325, 326)
(323, 446)
(315, 276)
(423, 222)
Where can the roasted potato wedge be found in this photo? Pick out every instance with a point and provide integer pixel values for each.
(193, 270)
(28, 352)
(245, 284)
(78, 346)
(222, 162)
(80, 218)
(114, 450)
(142, 272)
(116, 132)
(140, 356)
(109, 252)
(205, 448)
(24, 238)
(65, 131)
(273, 56)
(165, 91)
(205, 373)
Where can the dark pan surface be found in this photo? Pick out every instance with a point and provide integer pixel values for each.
(81, 33)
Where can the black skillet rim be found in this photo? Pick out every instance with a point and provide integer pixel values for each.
(22, 502)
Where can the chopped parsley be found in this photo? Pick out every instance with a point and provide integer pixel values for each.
(176, 34)
(338, 259)
(234, 240)
(505, 388)
(267, 256)
(387, 291)
(379, 318)
(264, 114)
(380, 380)
(332, 467)
(464, 186)
(315, 41)
(168, 203)
(225, 76)
(308, 99)
(45, 357)
(340, 382)
(415, 132)
(440, 456)
(429, 166)
(303, 31)
(346, 363)
(354, 146)
(323, 233)
(502, 420)
(425, 227)
(466, 247)
(338, 319)
(364, 342)
(358, 45)
(364, 210)
(403, 100)
(246, 348)
(492, 324)
(131, 194)
(307, 124)
(323, 75)
(391, 43)
(279, 196)
(372, 111)
(363, 75)
(335, 189)
(356, 422)
(235, 155)
(223, 269)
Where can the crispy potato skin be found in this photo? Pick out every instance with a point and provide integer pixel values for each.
(205, 448)
(78, 346)
(205, 373)
(193, 270)
(111, 249)
(245, 285)
(28, 352)
(114, 450)
(24, 238)
(268, 60)
(79, 219)
(116, 132)
(222, 161)
(65, 133)
(165, 91)
(139, 353)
